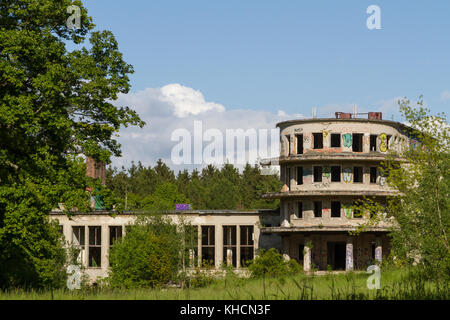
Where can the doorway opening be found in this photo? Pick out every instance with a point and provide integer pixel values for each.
(336, 255)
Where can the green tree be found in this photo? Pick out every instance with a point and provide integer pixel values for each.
(420, 174)
(54, 105)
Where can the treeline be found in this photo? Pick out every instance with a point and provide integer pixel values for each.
(159, 188)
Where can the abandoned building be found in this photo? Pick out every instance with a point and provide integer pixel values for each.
(326, 164)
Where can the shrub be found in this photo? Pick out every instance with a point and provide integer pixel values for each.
(271, 263)
(149, 256)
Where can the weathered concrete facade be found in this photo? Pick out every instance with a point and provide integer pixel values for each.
(224, 236)
(326, 165)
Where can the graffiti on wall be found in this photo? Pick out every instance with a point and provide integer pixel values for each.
(325, 133)
(326, 172)
(383, 142)
(347, 140)
(347, 175)
(348, 210)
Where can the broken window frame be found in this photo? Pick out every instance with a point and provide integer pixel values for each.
(95, 246)
(318, 207)
(335, 140)
(299, 175)
(357, 142)
(318, 140)
(79, 242)
(229, 237)
(247, 245)
(358, 172)
(373, 175)
(208, 245)
(334, 175)
(317, 176)
(373, 143)
(299, 210)
(334, 209)
(299, 138)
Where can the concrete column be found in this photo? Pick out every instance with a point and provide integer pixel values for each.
(105, 247)
(285, 247)
(85, 257)
(285, 215)
(306, 255)
(199, 245)
(238, 246)
(349, 254)
(218, 245)
(378, 249)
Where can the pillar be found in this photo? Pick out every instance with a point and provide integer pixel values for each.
(199, 245)
(349, 254)
(306, 255)
(105, 246)
(378, 249)
(238, 246)
(218, 245)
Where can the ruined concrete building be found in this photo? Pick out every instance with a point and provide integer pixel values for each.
(325, 165)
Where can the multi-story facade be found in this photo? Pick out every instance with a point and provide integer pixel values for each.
(325, 166)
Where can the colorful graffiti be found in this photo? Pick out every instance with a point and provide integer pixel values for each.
(382, 181)
(348, 210)
(347, 175)
(347, 140)
(325, 133)
(349, 257)
(383, 142)
(326, 171)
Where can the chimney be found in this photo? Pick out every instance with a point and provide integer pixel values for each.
(375, 116)
(343, 115)
(96, 169)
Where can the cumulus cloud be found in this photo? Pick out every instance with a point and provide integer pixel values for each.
(176, 108)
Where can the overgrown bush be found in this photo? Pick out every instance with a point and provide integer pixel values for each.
(149, 255)
(271, 263)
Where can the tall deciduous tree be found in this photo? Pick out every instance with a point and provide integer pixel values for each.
(54, 105)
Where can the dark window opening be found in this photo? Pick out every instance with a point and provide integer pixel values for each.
(357, 143)
(301, 248)
(288, 144)
(335, 174)
(373, 246)
(335, 140)
(95, 247)
(115, 233)
(300, 210)
(318, 140)
(229, 244)
(317, 209)
(357, 174)
(288, 177)
(208, 246)
(335, 209)
(299, 175)
(247, 245)
(373, 142)
(299, 144)
(373, 174)
(317, 174)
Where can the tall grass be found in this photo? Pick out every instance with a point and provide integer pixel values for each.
(395, 284)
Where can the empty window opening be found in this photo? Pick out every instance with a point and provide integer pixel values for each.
(317, 174)
(95, 247)
(336, 252)
(357, 174)
(335, 209)
(299, 143)
(317, 209)
(288, 177)
(373, 142)
(247, 245)
(373, 174)
(318, 140)
(300, 210)
(357, 143)
(299, 175)
(208, 246)
(335, 174)
(115, 233)
(229, 245)
(335, 140)
(288, 144)
(78, 241)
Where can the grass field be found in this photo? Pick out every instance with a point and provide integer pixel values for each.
(395, 284)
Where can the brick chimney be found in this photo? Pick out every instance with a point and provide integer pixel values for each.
(375, 116)
(96, 169)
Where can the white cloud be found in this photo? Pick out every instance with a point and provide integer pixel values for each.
(175, 106)
(445, 95)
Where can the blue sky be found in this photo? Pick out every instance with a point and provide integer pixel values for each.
(286, 55)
